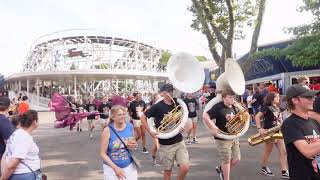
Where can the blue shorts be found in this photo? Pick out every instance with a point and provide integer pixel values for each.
(24, 176)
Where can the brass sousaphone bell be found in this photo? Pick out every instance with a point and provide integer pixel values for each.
(186, 74)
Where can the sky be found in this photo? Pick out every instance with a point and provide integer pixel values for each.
(161, 23)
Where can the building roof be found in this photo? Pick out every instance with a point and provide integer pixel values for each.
(268, 66)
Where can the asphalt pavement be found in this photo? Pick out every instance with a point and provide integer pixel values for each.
(70, 155)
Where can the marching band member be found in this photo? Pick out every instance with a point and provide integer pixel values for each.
(228, 150)
(104, 109)
(138, 105)
(301, 135)
(172, 149)
(193, 106)
(91, 107)
(271, 114)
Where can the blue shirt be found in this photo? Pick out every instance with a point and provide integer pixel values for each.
(6, 129)
(116, 150)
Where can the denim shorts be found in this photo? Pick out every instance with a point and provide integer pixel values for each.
(25, 176)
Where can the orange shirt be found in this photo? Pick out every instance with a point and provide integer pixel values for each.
(23, 107)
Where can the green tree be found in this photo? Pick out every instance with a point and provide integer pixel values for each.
(165, 57)
(201, 58)
(304, 49)
(223, 21)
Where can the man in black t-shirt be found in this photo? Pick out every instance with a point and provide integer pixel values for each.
(104, 109)
(6, 128)
(229, 150)
(315, 113)
(193, 106)
(172, 149)
(301, 135)
(91, 107)
(257, 99)
(135, 106)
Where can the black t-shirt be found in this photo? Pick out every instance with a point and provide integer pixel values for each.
(132, 108)
(272, 116)
(80, 108)
(296, 128)
(259, 102)
(192, 105)
(211, 96)
(157, 111)
(220, 112)
(91, 108)
(6, 129)
(104, 109)
(73, 107)
(316, 104)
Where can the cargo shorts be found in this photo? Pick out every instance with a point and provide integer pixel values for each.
(228, 149)
(174, 152)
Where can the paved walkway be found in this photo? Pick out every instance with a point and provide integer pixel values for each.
(71, 155)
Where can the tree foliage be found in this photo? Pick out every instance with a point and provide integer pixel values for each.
(165, 57)
(304, 50)
(312, 6)
(201, 58)
(167, 54)
(223, 21)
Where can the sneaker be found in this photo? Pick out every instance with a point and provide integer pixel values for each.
(195, 141)
(145, 151)
(285, 175)
(188, 141)
(91, 135)
(266, 171)
(219, 171)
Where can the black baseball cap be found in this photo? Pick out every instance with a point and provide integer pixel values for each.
(167, 87)
(298, 90)
(135, 93)
(4, 101)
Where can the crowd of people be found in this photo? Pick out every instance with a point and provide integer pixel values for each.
(124, 123)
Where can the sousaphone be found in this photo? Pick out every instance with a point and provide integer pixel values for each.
(187, 75)
(232, 79)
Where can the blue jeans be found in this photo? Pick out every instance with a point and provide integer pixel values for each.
(25, 176)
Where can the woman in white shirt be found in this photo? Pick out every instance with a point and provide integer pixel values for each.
(250, 100)
(22, 158)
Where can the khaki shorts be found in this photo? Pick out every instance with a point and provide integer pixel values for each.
(136, 123)
(169, 153)
(193, 119)
(228, 149)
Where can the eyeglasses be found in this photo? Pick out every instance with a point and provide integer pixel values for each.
(307, 97)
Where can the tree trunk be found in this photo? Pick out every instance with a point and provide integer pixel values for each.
(255, 36)
(256, 32)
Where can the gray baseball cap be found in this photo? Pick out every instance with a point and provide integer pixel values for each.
(298, 90)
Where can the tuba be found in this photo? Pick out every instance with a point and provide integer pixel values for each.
(233, 79)
(186, 74)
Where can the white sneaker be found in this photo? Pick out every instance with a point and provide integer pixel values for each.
(188, 141)
(266, 171)
(91, 136)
